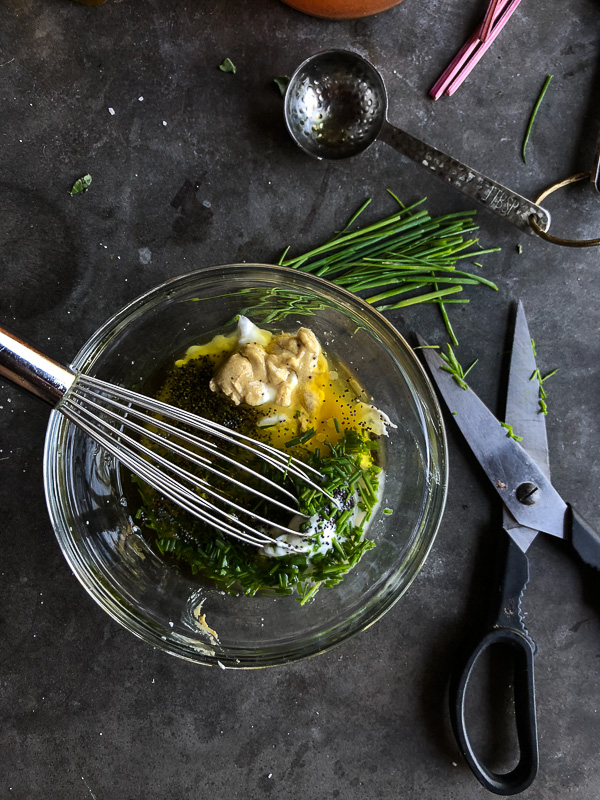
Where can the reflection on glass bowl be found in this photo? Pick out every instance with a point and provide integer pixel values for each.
(182, 614)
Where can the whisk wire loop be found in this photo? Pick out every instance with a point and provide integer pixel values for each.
(184, 452)
(105, 412)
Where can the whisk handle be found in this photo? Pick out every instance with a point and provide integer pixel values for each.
(27, 367)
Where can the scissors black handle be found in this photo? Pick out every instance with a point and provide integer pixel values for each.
(506, 629)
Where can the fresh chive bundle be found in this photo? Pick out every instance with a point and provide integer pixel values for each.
(405, 258)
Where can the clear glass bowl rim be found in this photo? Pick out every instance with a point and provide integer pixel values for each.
(87, 355)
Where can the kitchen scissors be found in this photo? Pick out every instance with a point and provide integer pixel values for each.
(519, 472)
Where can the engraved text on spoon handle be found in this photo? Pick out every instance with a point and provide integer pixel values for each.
(496, 198)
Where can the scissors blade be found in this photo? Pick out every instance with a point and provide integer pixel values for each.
(507, 465)
(523, 413)
(522, 397)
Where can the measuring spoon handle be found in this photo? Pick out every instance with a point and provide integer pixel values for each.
(496, 198)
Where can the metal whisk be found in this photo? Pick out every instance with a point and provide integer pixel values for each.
(123, 422)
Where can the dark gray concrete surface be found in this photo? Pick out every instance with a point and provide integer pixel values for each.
(88, 711)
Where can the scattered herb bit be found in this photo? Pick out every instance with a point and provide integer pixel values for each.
(537, 374)
(454, 368)
(406, 253)
(310, 593)
(388, 511)
(427, 347)
(282, 82)
(519, 248)
(511, 434)
(81, 185)
(228, 66)
(534, 114)
(533, 348)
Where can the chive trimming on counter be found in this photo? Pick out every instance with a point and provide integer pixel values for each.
(536, 108)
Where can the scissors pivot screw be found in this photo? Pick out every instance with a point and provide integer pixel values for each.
(528, 493)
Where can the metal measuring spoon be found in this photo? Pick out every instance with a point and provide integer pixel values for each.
(335, 107)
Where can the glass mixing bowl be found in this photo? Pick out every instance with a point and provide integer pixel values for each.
(95, 522)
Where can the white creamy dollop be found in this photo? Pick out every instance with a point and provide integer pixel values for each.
(249, 333)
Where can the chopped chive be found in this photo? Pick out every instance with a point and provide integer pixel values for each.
(338, 547)
(305, 437)
(310, 594)
(227, 65)
(534, 114)
(344, 517)
(446, 318)
(81, 185)
(470, 368)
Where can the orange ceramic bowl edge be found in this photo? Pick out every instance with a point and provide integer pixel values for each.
(341, 9)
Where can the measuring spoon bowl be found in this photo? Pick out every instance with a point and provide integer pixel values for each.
(336, 107)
